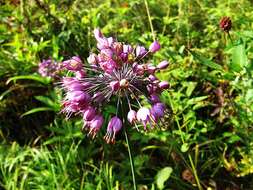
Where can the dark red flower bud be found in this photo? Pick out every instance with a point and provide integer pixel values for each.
(225, 24)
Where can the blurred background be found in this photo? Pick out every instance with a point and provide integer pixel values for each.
(207, 142)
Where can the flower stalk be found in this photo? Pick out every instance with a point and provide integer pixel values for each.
(130, 158)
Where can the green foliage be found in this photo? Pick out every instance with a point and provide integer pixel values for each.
(162, 176)
(206, 134)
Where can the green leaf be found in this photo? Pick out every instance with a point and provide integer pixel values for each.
(205, 61)
(162, 176)
(249, 95)
(185, 147)
(43, 80)
(239, 58)
(190, 86)
(234, 138)
(196, 100)
(35, 110)
(49, 102)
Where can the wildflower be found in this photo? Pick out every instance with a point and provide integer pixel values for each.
(73, 64)
(49, 68)
(164, 85)
(72, 84)
(92, 59)
(154, 98)
(225, 24)
(131, 116)
(154, 47)
(94, 125)
(143, 116)
(114, 126)
(157, 111)
(89, 113)
(140, 51)
(117, 72)
(163, 65)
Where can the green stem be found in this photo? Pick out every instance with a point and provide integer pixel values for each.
(149, 19)
(195, 172)
(230, 38)
(130, 159)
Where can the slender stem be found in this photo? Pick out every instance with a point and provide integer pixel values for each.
(128, 147)
(230, 38)
(195, 173)
(149, 19)
(130, 159)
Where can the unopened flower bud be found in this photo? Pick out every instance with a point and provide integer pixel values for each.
(225, 24)
(151, 69)
(154, 98)
(163, 65)
(154, 47)
(92, 59)
(164, 85)
(152, 78)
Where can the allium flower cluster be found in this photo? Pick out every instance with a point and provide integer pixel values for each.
(49, 68)
(120, 73)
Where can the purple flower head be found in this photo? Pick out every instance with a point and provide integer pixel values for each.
(114, 126)
(107, 53)
(78, 97)
(98, 34)
(49, 68)
(154, 47)
(69, 108)
(118, 73)
(139, 69)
